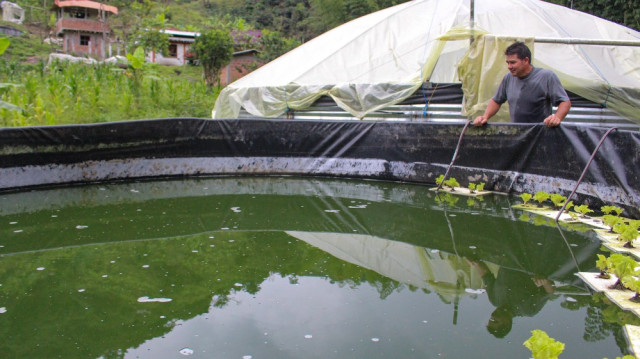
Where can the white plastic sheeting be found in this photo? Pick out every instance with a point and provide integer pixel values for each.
(382, 58)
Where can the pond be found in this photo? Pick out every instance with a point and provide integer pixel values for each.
(273, 267)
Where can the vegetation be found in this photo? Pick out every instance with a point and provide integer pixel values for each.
(526, 197)
(541, 197)
(64, 93)
(542, 346)
(214, 49)
(30, 95)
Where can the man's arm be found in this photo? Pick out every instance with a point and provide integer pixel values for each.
(492, 109)
(555, 119)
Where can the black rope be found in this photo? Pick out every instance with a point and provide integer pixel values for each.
(585, 171)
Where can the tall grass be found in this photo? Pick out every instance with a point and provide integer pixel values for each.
(65, 93)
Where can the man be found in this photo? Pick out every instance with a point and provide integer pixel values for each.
(530, 91)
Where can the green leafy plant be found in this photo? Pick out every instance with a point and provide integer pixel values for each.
(541, 197)
(621, 266)
(439, 179)
(568, 206)
(452, 183)
(542, 346)
(583, 209)
(558, 200)
(526, 197)
(628, 233)
(480, 186)
(633, 282)
(603, 264)
(472, 187)
(611, 221)
(609, 209)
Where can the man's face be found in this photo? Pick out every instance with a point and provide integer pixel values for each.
(517, 67)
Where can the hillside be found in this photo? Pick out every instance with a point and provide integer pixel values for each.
(295, 20)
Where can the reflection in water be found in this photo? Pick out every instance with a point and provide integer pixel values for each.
(288, 268)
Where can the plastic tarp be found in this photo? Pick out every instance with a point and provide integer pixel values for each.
(382, 58)
(507, 157)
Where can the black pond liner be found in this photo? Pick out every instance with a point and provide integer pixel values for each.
(510, 158)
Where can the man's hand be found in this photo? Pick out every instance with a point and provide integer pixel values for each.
(480, 120)
(552, 121)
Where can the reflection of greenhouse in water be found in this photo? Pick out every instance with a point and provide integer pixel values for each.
(251, 266)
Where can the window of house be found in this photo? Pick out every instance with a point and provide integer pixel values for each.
(173, 50)
(84, 40)
(77, 13)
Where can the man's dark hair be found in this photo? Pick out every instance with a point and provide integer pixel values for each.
(519, 49)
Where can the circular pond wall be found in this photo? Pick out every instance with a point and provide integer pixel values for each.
(507, 157)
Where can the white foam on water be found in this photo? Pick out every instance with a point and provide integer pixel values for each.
(332, 210)
(475, 291)
(186, 351)
(571, 299)
(80, 226)
(375, 340)
(3, 310)
(308, 336)
(40, 268)
(145, 266)
(146, 299)
(359, 206)
(236, 209)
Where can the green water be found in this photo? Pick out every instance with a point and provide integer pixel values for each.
(290, 268)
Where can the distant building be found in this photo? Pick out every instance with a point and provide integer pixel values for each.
(179, 52)
(12, 12)
(84, 27)
(241, 64)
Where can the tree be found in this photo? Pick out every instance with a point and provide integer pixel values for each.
(214, 50)
(273, 44)
(623, 12)
(152, 37)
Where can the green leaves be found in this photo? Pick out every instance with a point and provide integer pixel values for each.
(4, 44)
(526, 197)
(214, 49)
(136, 60)
(540, 197)
(542, 346)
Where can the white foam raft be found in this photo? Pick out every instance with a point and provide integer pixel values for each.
(461, 191)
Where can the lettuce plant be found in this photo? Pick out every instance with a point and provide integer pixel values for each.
(540, 197)
(558, 200)
(609, 209)
(451, 183)
(542, 346)
(603, 265)
(583, 209)
(526, 197)
(633, 282)
(621, 266)
(628, 233)
(611, 221)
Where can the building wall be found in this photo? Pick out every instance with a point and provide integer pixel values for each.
(178, 60)
(240, 66)
(71, 44)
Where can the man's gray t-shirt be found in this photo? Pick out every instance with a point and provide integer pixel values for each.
(531, 97)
